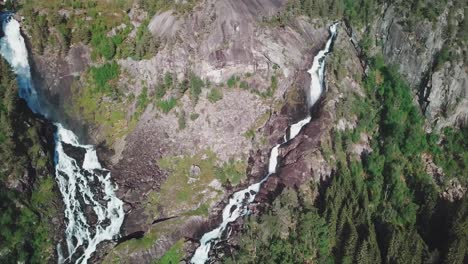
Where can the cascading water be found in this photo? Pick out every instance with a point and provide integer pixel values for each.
(239, 201)
(84, 184)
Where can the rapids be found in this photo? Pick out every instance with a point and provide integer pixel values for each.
(85, 186)
(240, 200)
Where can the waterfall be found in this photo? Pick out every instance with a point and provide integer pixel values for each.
(240, 200)
(83, 183)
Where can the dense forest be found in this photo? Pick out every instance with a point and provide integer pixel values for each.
(27, 202)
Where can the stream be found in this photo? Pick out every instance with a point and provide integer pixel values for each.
(239, 201)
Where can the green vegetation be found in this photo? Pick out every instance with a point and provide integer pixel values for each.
(181, 120)
(215, 95)
(155, 6)
(145, 45)
(109, 111)
(102, 76)
(271, 90)
(184, 193)
(194, 116)
(167, 105)
(442, 57)
(121, 253)
(26, 209)
(381, 207)
(102, 24)
(231, 172)
(196, 85)
(244, 85)
(250, 134)
(232, 82)
(174, 255)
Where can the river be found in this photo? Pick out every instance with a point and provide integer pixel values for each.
(239, 201)
(82, 181)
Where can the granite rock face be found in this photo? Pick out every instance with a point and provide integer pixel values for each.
(217, 40)
(442, 92)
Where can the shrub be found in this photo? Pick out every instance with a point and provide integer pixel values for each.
(142, 100)
(215, 95)
(103, 74)
(194, 116)
(181, 121)
(167, 105)
(232, 81)
(160, 91)
(196, 85)
(244, 85)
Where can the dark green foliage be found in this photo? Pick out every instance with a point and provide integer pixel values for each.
(452, 155)
(167, 105)
(142, 102)
(24, 215)
(232, 82)
(381, 207)
(102, 75)
(362, 12)
(196, 85)
(271, 90)
(40, 32)
(442, 57)
(103, 46)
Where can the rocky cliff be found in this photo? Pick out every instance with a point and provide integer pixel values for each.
(185, 125)
(430, 56)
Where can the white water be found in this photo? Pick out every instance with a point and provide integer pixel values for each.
(239, 201)
(86, 184)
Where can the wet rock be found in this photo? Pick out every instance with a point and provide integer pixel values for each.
(76, 153)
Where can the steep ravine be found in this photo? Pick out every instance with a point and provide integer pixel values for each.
(154, 151)
(239, 202)
(92, 211)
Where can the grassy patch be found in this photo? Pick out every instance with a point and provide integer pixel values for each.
(215, 95)
(249, 134)
(184, 194)
(102, 75)
(196, 85)
(194, 116)
(177, 185)
(104, 112)
(167, 105)
(174, 255)
(231, 172)
(121, 253)
(244, 85)
(232, 82)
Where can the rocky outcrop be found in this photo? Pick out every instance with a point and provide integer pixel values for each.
(447, 103)
(454, 191)
(442, 92)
